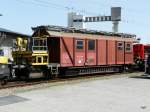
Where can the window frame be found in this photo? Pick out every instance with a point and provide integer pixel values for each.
(120, 48)
(94, 47)
(126, 50)
(39, 44)
(77, 45)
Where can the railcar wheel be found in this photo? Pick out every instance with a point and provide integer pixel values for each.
(46, 75)
(27, 73)
(17, 74)
(4, 81)
(53, 76)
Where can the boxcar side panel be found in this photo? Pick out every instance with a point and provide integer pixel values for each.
(129, 58)
(90, 52)
(101, 52)
(111, 52)
(79, 52)
(120, 52)
(128, 53)
(66, 51)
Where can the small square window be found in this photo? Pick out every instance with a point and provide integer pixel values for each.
(128, 47)
(120, 46)
(79, 44)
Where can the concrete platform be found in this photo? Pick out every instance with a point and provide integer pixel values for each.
(109, 95)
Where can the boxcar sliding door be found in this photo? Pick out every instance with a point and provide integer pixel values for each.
(53, 44)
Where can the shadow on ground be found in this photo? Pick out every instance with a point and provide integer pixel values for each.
(141, 77)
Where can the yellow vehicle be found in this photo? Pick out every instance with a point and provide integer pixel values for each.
(4, 67)
(30, 57)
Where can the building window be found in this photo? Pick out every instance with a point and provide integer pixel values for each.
(120, 45)
(1, 52)
(91, 44)
(79, 44)
(128, 47)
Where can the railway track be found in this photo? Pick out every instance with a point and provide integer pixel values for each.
(14, 84)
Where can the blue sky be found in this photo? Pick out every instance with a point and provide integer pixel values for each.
(21, 15)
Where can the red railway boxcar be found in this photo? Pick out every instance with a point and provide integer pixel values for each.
(57, 51)
(82, 51)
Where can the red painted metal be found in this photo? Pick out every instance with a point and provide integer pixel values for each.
(111, 55)
(90, 55)
(102, 52)
(138, 51)
(120, 53)
(106, 52)
(129, 58)
(66, 51)
(128, 54)
(80, 54)
(148, 45)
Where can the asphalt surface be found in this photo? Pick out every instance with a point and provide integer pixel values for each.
(121, 94)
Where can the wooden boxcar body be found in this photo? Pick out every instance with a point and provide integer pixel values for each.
(72, 51)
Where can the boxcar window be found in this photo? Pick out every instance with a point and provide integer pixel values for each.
(91, 44)
(120, 46)
(128, 47)
(79, 44)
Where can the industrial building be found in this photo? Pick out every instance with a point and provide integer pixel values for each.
(6, 40)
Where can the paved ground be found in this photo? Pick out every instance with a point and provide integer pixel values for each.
(109, 95)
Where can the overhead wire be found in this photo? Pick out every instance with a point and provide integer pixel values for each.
(48, 3)
(31, 3)
(65, 7)
(55, 5)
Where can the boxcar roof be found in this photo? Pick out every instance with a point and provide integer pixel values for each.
(72, 32)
